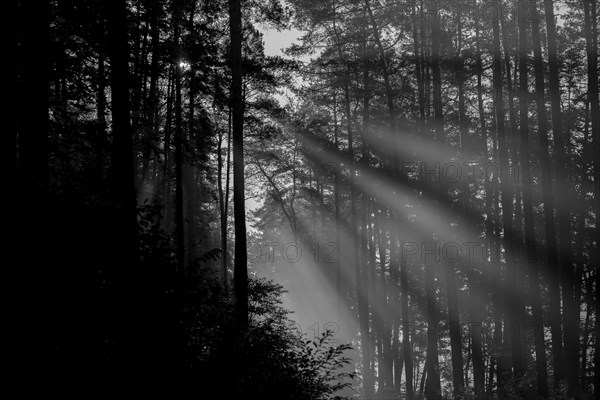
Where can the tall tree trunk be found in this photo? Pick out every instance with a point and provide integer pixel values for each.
(239, 211)
(513, 137)
(512, 338)
(551, 247)
(591, 41)
(433, 384)
(122, 172)
(395, 261)
(512, 116)
(100, 117)
(570, 306)
(392, 121)
(406, 331)
(406, 322)
(34, 93)
(178, 139)
(386, 366)
(190, 176)
(377, 311)
(152, 98)
(167, 151)
(458, 378)
(336, 189)
(29, 157)
(530, 243)
(190, 189)
(475, 306)
(122, 154)
(226, 190)
(222, 212)
(363, 316)
(455, 330)
(360, 295)
(366, 343)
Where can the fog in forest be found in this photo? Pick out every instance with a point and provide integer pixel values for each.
(302, 199)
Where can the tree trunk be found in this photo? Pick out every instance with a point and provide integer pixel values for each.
(239, 211)
(127, 312)
(167, 152)
(512, 338)
(178, 139)
(122, 154)
(395, 261)
(223, 206)
(433, 384)
(366, 343)
(530, 243)
(551, 248)
(29, 147)
(591, 41)
(570, 306)
(386, 366)
(458, 380)
(100, 118)
(336, 189)
(392, 118)
(475, 309)
(190, 175)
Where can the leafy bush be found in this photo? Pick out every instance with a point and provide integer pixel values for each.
(197, 348)
(271, 360)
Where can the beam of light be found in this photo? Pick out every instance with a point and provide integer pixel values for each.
(433, 221)
(422, 218)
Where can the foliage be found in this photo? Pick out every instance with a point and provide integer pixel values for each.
(271, 360)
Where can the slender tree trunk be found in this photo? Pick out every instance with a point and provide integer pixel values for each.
(360, 295)
(395, 261)
(366, 343)
(530, 243)
(551, 247)
(570, 306)
(362, 310)
(228, 166)
(458, 380)
(591, 41)
(433, 384)
(190, 189)
(239, 210)
(100, 117)
(512, 116)
(423, 379)
(375, 310)
(152, 99)
(404, 302)
(336, 189)
(475, 309)
(386, 366)
(224, 202)
(513, 139)
(455, 331)
(512, 339)
(178, 139)
(190, 176)
(584, 352)
(222, 213)
(167, 151)
(392, 117)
